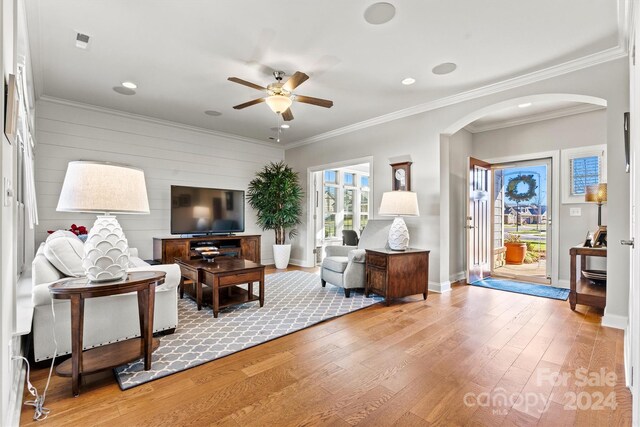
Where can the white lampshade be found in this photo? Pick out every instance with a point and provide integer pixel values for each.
(278, 103)
(399, 203)
(103, 187)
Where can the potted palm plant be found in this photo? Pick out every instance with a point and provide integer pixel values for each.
(276, 195)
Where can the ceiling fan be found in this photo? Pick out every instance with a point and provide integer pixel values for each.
(280, 95)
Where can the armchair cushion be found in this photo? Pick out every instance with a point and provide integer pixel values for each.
(338, 250)
(357, 255)
(335, 263)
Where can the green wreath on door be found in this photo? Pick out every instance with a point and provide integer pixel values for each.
(512, 188)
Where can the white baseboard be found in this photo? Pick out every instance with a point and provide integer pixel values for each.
(563, 284)
(440, 288)
(458, 276)
(298, 262)
(614, 321)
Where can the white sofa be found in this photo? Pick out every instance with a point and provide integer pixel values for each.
(106, 319)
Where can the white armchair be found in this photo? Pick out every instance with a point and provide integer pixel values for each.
(106, 319)
(344, 266)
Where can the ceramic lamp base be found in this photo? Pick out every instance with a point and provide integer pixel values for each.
(398, 235)
(106, 251)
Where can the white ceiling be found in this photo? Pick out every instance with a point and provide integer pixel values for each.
(180, 54)
(537, 111)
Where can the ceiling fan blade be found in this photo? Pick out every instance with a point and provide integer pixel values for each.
(287, 115)
(314, 101)
(294, 81)
(246, 83)
(248, 104)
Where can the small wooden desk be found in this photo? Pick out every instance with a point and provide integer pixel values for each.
(112, 355)
(225, 272)
(582, 290)
(397, 274)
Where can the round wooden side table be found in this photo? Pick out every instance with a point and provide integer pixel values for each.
(112, 355)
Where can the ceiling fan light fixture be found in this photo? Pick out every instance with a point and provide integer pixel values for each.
(278, 103)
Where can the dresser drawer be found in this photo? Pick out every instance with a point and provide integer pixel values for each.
(376, 260)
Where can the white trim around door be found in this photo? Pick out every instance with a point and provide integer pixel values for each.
(555, 201)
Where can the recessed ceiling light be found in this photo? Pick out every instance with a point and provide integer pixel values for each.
(379, 13)
(285, 126)
(130, 85)
(525, 105)
(213, 113)
(444, 68)
(408, 81)
(124, 91)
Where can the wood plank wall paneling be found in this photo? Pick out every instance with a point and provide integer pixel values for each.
(167, 154)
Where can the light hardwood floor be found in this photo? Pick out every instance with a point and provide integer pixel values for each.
(412, 363)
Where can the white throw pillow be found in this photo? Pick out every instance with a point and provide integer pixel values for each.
(62, 233)
(65, 253)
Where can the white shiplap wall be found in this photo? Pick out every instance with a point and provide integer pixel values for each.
(168, 154)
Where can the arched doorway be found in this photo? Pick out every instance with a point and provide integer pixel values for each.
(454, 218)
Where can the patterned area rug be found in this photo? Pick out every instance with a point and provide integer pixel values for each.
(293, 301)
(543, 291)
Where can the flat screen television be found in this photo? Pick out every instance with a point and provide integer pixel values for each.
(196, 210)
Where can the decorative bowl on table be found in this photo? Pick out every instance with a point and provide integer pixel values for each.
(598, 277)
(209, 256)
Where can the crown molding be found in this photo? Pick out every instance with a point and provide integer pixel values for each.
(148, 119)
(601, 57)
(546, 115)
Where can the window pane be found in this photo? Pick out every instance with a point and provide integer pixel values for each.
(331, 177)
(364, 202)
(330, 225)
(363, 221)
(348, 221)
(364, 181)
(330, 199)
(348, 200)
(349, 178)
(584, 171)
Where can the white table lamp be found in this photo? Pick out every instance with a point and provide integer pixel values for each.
(399, 204)
(104, 188)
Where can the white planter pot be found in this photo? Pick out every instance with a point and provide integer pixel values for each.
(281, 254)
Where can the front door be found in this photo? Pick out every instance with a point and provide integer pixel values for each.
(478, 220)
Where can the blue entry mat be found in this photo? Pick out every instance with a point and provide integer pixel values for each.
(524, 288)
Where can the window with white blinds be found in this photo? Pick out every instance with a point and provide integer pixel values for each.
(580, 167)
(584, 171)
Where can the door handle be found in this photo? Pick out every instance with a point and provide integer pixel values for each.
(470, 227)
(628, 243)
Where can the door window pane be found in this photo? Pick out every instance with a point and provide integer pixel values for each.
(364, 181)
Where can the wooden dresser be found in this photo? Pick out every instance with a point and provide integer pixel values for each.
(245, 246)
(397, 274)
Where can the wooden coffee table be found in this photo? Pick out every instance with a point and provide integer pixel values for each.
(224, 273)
